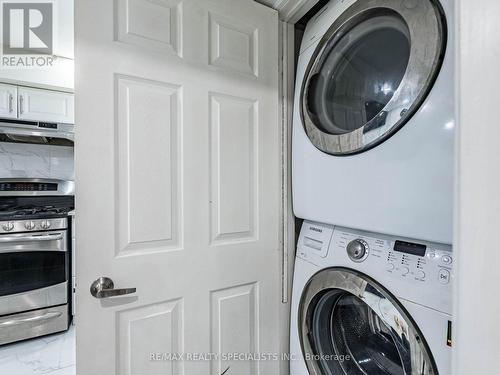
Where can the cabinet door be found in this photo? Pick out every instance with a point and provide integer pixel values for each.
(8, 101)
(45, 105)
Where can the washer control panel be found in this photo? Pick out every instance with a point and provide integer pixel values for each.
(417, 271)
(412, 260)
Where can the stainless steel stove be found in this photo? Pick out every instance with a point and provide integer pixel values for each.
(34, 257)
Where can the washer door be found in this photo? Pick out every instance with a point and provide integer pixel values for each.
(349, 324)
(371, 72)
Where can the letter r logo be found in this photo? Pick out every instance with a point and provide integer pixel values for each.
(27, 28)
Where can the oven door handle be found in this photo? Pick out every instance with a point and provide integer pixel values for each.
(47, 237)
(29, 319)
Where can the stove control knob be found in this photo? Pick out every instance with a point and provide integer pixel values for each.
(45, 224)
(29, 225)
(357, 250)
(8, 226)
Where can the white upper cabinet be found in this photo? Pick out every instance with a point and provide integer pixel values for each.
(45, 105)
(8, 101)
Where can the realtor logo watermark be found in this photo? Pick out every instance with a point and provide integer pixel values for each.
(27, 34)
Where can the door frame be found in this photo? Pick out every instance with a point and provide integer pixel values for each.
(287, 86)
(477, 207)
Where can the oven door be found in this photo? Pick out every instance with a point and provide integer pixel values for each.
(33, 271)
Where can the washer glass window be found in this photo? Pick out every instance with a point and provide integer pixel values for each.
(349, 331)
(351, 325)
(370, 73)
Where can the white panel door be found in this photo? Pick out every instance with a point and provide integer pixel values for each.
(46, 105)
(178, 176)
(8, 101)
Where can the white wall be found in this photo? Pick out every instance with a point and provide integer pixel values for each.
(58, 77)
(477, 238)
(61, 75)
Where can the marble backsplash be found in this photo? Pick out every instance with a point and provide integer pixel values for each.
(36, 161)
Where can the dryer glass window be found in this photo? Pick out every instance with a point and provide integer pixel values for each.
(370, 73)
(359, 75)
(352, 339)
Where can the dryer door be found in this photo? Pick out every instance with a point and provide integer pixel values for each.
(371, 72)
(349, 324)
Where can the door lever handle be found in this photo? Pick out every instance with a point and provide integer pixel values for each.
(104, 287)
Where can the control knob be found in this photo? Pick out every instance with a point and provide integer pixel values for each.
(357, 250)
(8, 226)
(45, 224)
(29, 225)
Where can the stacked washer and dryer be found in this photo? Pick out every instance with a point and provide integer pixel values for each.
(373, 161)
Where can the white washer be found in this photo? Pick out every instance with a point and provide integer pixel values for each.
(366, 303)
(373, 124)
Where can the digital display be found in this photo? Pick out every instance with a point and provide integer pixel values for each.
(410, 248)
(47, 125)
(27, 186)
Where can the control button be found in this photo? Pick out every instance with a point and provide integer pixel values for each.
(420, 274)
(357, 250)
(405, 271)
(8, 226)
(444, 276)
(45, 224)
(389, 266)
(446, 259)
(29, 225)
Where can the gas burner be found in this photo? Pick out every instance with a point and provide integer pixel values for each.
(35, 207)
(20, 212)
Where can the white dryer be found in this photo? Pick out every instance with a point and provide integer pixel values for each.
(366, 303)
(373, 123)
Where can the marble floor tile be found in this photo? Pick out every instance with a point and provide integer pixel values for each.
(53, 355)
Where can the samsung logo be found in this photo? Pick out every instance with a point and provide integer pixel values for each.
(316, 229)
